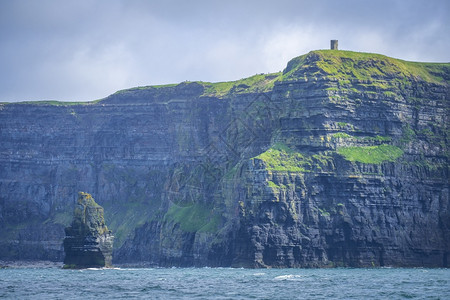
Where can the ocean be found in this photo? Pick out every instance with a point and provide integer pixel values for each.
(224, 283)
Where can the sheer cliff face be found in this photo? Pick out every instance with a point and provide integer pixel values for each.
(342, 159)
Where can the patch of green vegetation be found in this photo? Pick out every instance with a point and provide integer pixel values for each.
(371, 154)
(193, 218)
(283, 159)
(378, 138)
(432, 136)
(389, 94)
(63, 218)
(345, 126)
(426, 163)
(426, 132)
(408, 135)
(256, 83)
(378, 70)
(159, 86)
(282, 147)
(70, 267)
(272, 184)
(342, 135)
(147, 87)
(296, 64)
(381, 138)
(322, 159)
(324, 213)
(56, 103)
(88, 213)
(232, 172)
(124, 218)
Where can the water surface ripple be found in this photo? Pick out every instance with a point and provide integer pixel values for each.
(223, 283)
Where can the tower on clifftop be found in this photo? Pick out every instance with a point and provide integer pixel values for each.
(334, 44)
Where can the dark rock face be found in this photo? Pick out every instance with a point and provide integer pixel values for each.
(341, 160)
(88, 242)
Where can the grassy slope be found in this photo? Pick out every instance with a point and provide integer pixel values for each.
(338, 64)
(55, 103)
(256, 83)
(193, 218)
(346, 65)
(252, 84)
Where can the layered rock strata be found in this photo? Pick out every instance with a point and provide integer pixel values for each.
(88, 242)
(339, 160)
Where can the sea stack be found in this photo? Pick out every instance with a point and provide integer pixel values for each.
(88, 242)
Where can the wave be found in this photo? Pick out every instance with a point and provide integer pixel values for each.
(288, 277)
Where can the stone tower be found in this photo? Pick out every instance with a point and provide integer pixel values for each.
(334, 44)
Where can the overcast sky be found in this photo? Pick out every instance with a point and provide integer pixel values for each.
(78, 50)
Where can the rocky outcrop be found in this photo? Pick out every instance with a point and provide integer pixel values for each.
(88, 242)
(340, 160)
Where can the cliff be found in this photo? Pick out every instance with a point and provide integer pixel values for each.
(341, 159)
(88, 242)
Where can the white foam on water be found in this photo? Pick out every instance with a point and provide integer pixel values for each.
(288, 277)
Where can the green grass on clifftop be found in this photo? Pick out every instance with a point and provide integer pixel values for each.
(256, 83)
(346, 65)
(55, 103)
(381, 71)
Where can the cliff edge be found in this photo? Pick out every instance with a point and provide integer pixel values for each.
(339, 160)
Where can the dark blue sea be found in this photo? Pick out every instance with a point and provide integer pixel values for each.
(218, 283)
